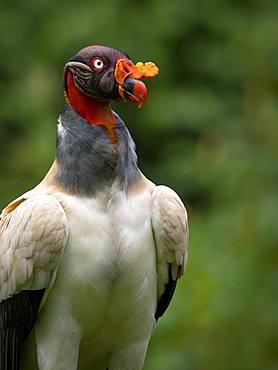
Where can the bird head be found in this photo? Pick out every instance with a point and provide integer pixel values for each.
(104, 74)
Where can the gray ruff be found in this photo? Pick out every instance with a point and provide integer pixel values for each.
(88, 161)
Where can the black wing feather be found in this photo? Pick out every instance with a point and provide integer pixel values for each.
(17, 317)
(166, 297)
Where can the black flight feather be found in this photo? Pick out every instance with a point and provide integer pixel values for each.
(166, 297)
(17, 317)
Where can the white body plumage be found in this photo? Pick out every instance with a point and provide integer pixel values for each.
(99, 306)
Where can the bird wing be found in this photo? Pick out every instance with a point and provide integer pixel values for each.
(170, 228)
(33, 235)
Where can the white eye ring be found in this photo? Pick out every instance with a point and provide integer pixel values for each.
(98, 63)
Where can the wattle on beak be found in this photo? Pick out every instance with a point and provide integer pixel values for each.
(127, 76)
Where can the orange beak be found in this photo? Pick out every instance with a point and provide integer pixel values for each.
(127, 76)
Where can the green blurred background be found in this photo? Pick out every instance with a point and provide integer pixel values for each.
(209, 130)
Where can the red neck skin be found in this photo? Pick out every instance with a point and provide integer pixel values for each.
(94, 111)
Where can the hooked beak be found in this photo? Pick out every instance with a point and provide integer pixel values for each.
(134, 91)
(127, 76)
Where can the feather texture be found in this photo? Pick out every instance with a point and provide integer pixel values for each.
(32, 240)
(170, 227)
(33, 233)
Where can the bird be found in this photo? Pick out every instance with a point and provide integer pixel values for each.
(90, 257)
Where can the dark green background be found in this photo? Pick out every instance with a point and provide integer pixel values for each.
(208, 129)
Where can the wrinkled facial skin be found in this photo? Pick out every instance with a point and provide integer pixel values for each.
(93, 71)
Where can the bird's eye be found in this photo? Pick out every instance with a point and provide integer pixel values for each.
(98, 64)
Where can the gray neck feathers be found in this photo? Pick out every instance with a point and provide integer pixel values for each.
(87, 160)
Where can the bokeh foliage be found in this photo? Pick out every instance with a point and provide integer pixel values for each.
(209, 130)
